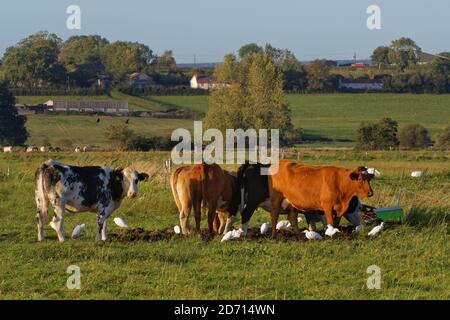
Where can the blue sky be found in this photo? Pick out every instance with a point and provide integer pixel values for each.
(209, 29)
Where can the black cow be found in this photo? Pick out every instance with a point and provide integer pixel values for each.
(79, 189)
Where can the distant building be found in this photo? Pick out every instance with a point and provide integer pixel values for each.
(204, 82)
(102, 106)
(23, 109)
(358, 65)
(361, 84)
(140, 80)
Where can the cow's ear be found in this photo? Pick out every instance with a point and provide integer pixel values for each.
(143, 176)
(354, 175)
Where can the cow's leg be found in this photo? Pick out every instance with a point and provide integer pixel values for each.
(104, 230)
(58, 220)
(102, 216)
(228, 224)
(41, 214)
(247, 213)
(329, 216)
(293, 219)
(211, 215)
(276, 200)
(310, 221)
(184, 219)
(217, 222)
(198, 215)
(336, 221)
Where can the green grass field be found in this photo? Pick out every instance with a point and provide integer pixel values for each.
(327, 119)
(413, 257)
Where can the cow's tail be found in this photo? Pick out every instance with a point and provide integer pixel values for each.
(173, 186)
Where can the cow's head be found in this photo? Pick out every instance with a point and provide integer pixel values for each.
(361, 180)
(130, 181)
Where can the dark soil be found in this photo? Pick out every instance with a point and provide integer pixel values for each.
(254, 234)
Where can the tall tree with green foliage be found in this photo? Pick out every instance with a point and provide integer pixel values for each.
(380, 56)
(81, 57)
(34, 61)
(251, 96)
(248, 49)
(12, 125)
(122, 58)
(319, 77)
(405, 53)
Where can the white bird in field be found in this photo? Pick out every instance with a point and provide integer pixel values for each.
(374, 171)
(78, 230)
(120, 223)
(312, 235)
(331, 231)
(358, 229)
(417, 174)
(177, 229)
(299, 219)
(283, 224)
(265, 227)
(376, 230)
(233, 234)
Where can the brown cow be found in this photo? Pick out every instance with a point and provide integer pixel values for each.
(316, 188)
(217, 189)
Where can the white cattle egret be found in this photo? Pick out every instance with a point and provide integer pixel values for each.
(374, 171)
(376, 230)
(78, 230)
(312, 235)
(120, 223)
(417, 174)
(177, 229)
(265, 227)
(284, 224)
(233, 234)
(331, 231)
(358, 229)
(299, 219)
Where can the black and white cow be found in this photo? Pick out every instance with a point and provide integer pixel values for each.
(80, 189)
(255, 194)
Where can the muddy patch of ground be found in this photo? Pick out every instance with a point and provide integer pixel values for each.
(254, 234)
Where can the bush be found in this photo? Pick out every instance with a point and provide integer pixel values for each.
(377, 136)
(443, 139)
(119, 136)
(414, 136)
(141, 143)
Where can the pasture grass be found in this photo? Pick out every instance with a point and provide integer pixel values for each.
(413, 256)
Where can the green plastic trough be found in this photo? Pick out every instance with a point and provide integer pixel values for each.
(390, 213)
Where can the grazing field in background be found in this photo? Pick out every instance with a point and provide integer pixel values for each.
(413, 257)
(327, 119)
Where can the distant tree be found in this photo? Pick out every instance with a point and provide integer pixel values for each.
(415, 82)
(166, 62)
(119, 136)
(319, 75)
(81, 57)
(414, 136)
(377, 136)
(122, 58)
(405, 53)
(34, 61)
(12, 125)
(249, 49)
(443, 139)
(380, 56)
(439, 73)
(253, 97)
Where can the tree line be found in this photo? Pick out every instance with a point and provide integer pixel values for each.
(43, 61)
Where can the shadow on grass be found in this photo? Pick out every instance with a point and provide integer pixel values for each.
(422, 217)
